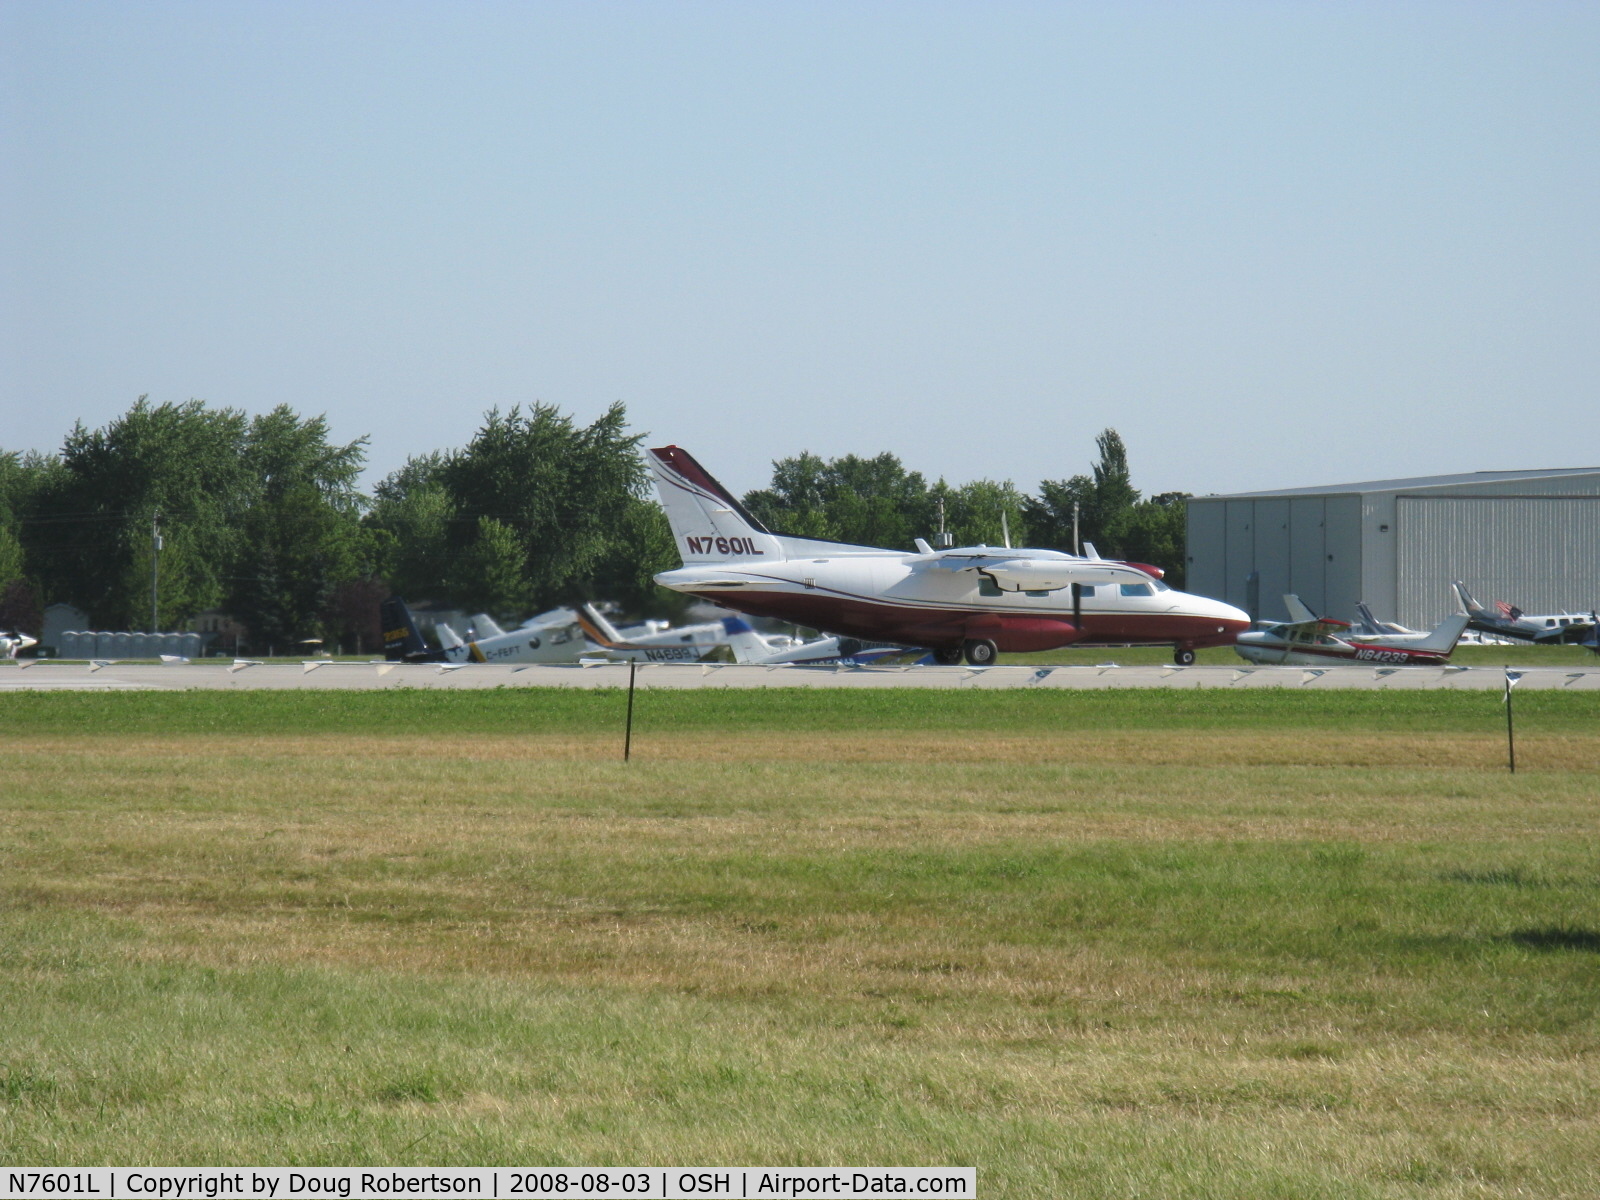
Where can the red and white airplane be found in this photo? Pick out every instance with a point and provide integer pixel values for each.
(1308, 640)
(975, 600)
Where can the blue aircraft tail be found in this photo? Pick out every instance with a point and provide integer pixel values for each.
(402, 640)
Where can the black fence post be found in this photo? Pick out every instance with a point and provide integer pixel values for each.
(1511, 732)
(627, 737)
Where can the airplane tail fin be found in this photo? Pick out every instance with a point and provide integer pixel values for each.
(1445, 635)
(1298, 612)
(744, 641)
(485, 626)
(402, 639)
(448, 637)
(597, 629)
(1464, 598)
(1368, 623)
(708, 523)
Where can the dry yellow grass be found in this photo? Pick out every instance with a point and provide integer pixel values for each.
(1091, 963)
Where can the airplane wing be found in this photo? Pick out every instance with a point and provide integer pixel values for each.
(1579, 633)
(1314, 628)
(1016, 571)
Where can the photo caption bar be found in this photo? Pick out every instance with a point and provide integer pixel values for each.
(489, 1183)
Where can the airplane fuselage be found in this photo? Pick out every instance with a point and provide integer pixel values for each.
(896, 598)
(1271, 650)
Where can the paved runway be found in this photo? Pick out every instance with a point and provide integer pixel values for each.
(46, 675)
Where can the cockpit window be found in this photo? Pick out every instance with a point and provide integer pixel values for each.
(1136, 589)
(1160, 587)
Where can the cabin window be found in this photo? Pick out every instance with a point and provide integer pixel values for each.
(1086, 590)
(1136, 589)
(1038, 595)
(987, 586)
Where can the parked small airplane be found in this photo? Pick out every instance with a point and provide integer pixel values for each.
(14, 643)
(1370, 625)
(976, 600)
(551, 637)
(1309, 640)
(687, 643)
(822, 651)
(1508, 621)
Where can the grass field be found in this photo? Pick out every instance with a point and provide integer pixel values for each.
(1095, 944)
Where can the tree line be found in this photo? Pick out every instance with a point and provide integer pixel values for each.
(172, 510)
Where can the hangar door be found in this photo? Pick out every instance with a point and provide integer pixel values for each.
(1542, 553)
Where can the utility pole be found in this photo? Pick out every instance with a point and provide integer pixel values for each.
(1077, 546)
(155, 567)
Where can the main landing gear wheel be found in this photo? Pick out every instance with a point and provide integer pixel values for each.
(981, 652)
(948, 656)
(1183, 656)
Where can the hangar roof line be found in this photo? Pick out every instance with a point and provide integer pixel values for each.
(1406, 485)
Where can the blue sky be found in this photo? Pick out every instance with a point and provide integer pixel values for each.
(1272, 244)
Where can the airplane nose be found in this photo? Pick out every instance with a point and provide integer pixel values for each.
(1235, 618)
(1237, 615)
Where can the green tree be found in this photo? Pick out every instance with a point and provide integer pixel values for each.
(410, 520)
(1105, 500)
(1157, 534)
(642, 547)
(22, 480)
(983, 512)
(301, 534)
(1050, 513)
(562, 491)
(90, 538)
(866, 501)
(494, 569)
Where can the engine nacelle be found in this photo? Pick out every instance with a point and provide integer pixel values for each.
(1155, 572)
(1033, 575)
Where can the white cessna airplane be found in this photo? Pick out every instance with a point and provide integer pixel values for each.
(974, 601)
(687, 643)
(1309, 640)
(698, 643)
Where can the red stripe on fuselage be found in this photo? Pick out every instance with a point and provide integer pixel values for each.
(1409, 657)
(947, 624)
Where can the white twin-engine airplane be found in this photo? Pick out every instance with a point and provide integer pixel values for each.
(974, 601)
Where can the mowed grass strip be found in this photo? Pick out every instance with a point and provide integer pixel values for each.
(431, 715)
(1155, 954)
